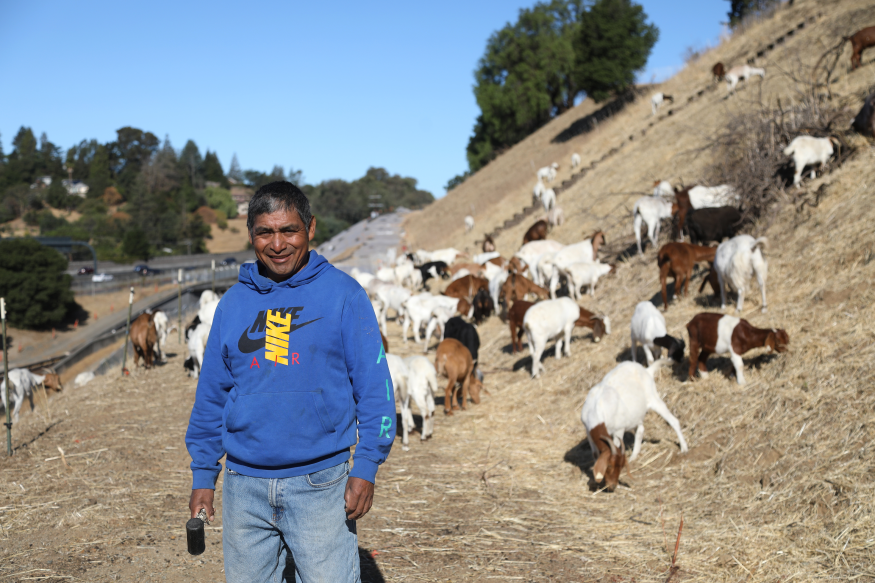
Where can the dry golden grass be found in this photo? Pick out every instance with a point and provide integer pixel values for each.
(227, 241)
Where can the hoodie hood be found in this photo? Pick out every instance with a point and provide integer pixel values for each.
(249, 276)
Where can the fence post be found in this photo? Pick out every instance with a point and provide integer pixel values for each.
(128, 330)
(179, 304)
(214, 276)
(8, 382)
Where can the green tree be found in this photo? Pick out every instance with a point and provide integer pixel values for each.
(136, 244)
(33, 281)
(99, 173)
(131, 150)
(234, 170)
(57, 196)
(213, 170)
(525, 77)
(739, 9)
(611, 45)
(192, 165)
(456, 180)
(220, 199)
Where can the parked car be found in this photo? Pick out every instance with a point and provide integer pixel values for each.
(86, 270)
(100, 277)
(141, 268)
(229, 261)
(151, 271)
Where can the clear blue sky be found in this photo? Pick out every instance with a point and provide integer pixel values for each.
(330, 88)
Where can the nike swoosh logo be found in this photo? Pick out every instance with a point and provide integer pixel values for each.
(248, 345)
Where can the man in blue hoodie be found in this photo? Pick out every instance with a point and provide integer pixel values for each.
(294, 374)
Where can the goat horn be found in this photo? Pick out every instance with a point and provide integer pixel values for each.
(610, 443)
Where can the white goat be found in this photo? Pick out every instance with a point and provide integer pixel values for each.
(809, 151)
(548, 173)
(555, 216)
(207, 296)
(648, 329)
(362, 277)
(580, 252)
(446, 255)
(390, 296)
(550, 319)
(584, 273)
(735, 261)
(469, 223)
(162, 324)
(399, 373)
(418, 310)
(532, 251)
(421, 388)
(663, 188)
(575, 160)
(651, 210)
(495, 283)
(386, 274)
(742, 73)
(23, 383)
(482, 258)
(197, 345)
(657, 100)
(439, 317)
(712, 196)
(206, 312)
(538, 190)
(548, 199)
(620, 402)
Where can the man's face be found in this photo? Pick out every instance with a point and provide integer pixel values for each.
(281, 242)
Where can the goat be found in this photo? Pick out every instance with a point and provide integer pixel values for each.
(862, 39)
(585, 251)
(548, 173)
(197, 345)
(442, 314)
(466, 287)
(658, 100)
(651, 210)
(808, 151)
(390, 296)
(496, 282)
(584, 273)
(447, 255)
(722, 334)
(575, 160)
(398, 374)
(556, 319)
(207, 296)
(466, 333)
(864, 122)
(161, 329)
(421, 388)
(488, 244)
(469, 224)
(536, 232)
(556, 216)
(648, 329)
(516, 287)
(662, 188)
(713, 224)
(677, 260)
(144, 336)
(23, 382)
(719, 71)
(454, 361)
(698, 197)
(433, 269)
(538, 190)
(619, 404)
(483, 306)
(483, 258)
(742, 73)
(515, 316)
(735, 261)
(417, 310)
(548, 199)
(363, 278)
(532, 251)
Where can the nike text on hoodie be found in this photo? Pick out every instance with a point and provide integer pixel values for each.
(289, 370)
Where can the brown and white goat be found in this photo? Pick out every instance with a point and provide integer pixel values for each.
(515, 316)
(721, 334)
(143, 338)
(466, 287)
(536, 232)
(719, 71)
(488, 244)
(677, 260)
(454, 361)
(862, 39)
(515, 287)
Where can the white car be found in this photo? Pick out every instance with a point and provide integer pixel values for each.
(99, 277)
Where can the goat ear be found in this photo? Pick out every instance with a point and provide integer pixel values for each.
(601, 466)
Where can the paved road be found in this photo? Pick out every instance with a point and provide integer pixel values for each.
(172, 262)
(366, 244)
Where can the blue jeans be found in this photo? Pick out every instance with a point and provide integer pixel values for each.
(265, 519)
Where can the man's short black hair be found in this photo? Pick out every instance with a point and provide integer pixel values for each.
(277, 196)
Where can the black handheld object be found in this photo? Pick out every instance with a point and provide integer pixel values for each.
(194, 534)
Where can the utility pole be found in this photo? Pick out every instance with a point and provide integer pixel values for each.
(214, 276)
(179, 304)
(128, 331)
(6, 378)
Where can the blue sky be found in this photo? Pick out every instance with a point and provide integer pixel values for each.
(328, 88)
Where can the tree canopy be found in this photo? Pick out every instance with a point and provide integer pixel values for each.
(740, 9)
(535, 69)
(33, 281)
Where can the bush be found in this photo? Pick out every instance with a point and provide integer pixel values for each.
(221, 219)
(221, 200)
(33, 281)
(136, 245)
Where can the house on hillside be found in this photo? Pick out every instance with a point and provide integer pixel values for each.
(42, 182)
(241, 196)
(75, 187)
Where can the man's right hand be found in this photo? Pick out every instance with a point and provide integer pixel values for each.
(202, 498)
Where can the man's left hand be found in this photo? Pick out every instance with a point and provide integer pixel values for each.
(359, 496)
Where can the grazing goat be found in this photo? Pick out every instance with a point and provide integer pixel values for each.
(390, 296)
(515, 316)
(742, 73)
(864, 122)
(548, 173)
(447, 255)
(433, 269)
(442, 314)
(466, 333)
(548, 199)
(516, 287)
(398, 373)
(651, 210)
(699, 197)
(720, 334)
(469, 224)
(575, 160)
(454, 361)
(735, 262)
(363, 278)
(556, 319)
(161, 329)
(585, 251)
(713, 224)
(584, 273)
(197, 345)
(662, 188)
(421, 388)
(538, 190)
(482, 258)
(619, 404)
(208, 296)
(648, 329)
(556, 216)
(536, 232)
(23, 384)
(531, 252)
(861, 40)
(719, 71)
(677, 260)
(417, 311)
(658, 100)
(488, 244)
(483, 305)
(144, 336)
(810, 151)
(466, 287)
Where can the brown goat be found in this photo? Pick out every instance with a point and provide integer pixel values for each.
(516, 265)
(735, 337)
(594, 322)
(610, 459)
(488, 244)
(515, 317)
(536, 232)
(677, 260)
(862, 39)
(473, 268)
(52, 381)
(143, 337)
(681, 207)
(454, 361)
(515, 287)
(466, 287)
(719, 71)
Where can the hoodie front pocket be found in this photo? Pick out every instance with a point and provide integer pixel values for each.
(274, 429)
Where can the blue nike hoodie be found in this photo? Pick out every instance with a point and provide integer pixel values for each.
(289, 370)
